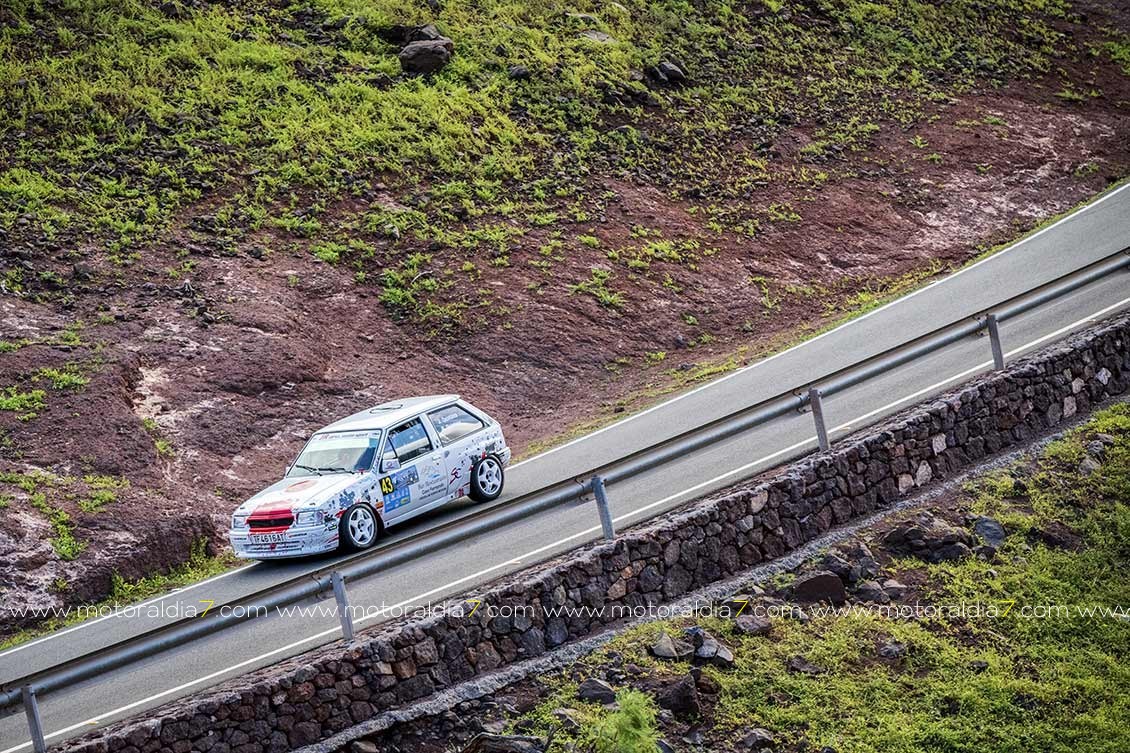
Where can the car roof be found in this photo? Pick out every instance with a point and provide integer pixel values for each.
(387, 415)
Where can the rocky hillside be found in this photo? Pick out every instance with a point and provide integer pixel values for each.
(224, 224)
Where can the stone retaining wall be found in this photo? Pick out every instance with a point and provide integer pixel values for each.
(314, 696)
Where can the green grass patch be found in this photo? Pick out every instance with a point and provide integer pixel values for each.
(1119, 51)
(63, 539)
(597, 287)
(70, 377)
(25, 404)
(101, 491)
(199, 566)
(161, 444)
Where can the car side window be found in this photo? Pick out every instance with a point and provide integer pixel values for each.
(453, 423)
(409, 440)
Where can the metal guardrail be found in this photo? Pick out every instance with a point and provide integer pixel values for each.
(332, 579)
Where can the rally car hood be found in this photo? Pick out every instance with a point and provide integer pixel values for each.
(298, 492)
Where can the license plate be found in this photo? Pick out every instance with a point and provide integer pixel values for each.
(267, 538)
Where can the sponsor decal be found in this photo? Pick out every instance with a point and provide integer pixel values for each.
(395, 489)
(373, 436)
(406, 477)
(433, 482)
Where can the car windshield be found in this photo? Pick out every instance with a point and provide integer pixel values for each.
(337, 452)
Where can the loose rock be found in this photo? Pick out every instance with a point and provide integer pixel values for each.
(666, 647)
(892, 650)
(593, 689)
(489, 743)
(680, 696)
(801, 666)
(757, 739)
(739, 603)
(990, 530)
(1096, 449)
(426, 33)
(928, 538)
(427, 55)
(597, 36)
(749, 624)
(872, 592)
(569, 719)
(819, 586)
(709, 650)
(894, 588)
(673, 72)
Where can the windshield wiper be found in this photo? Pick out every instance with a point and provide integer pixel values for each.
(330, 468)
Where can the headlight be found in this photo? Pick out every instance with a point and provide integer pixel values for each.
(310, 518)
(238, 521)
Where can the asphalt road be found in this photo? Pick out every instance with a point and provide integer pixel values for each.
(1042, 258)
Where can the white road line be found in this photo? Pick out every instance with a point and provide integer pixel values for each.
(88, 623)
(586, 532)
(715, 382)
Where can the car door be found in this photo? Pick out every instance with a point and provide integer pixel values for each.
(412, 471)
(459, 433)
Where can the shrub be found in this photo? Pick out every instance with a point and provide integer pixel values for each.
(630, 728)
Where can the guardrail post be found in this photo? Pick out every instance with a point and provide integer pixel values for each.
(342, 599)
(602, 507)
(34, 723)
(993, 326)
(816, 401)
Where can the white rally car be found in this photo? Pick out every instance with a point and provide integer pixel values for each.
(374, 469)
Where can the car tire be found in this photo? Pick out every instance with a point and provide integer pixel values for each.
(487, 479)
(359, 528)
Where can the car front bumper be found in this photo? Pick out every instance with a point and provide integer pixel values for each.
(294, 542)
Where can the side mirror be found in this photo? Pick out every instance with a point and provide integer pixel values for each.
(389, 462)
